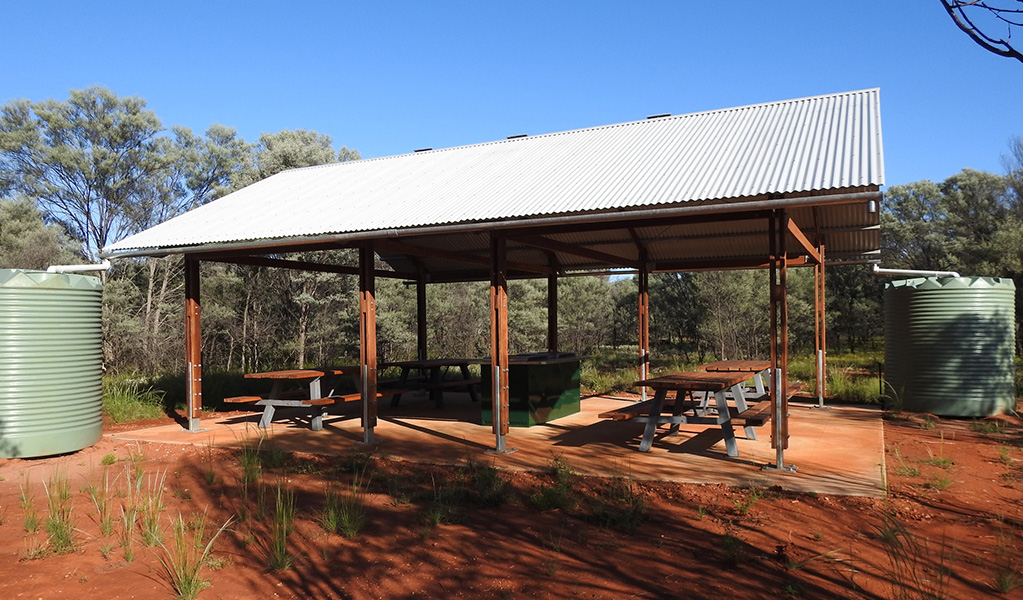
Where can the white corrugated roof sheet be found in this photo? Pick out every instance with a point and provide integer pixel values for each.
(818, 143)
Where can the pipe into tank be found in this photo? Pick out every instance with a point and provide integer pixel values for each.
(913, 273)
(103, 266)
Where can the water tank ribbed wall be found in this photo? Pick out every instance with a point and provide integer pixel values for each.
(51, 388)
(949, 345)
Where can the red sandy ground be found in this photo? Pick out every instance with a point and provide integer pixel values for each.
(697, 541)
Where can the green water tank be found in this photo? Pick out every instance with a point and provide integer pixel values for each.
(51, 356)
(949, 345)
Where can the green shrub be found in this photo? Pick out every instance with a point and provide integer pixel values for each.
(126, 399)
(620, 504)
(558, 494)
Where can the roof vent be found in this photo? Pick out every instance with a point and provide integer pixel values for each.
(422, 149)
(515, 137)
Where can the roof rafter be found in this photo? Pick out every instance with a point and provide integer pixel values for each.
(556, 246)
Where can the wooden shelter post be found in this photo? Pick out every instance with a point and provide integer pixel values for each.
(421, 317)
(552, 313)
(368, 341)
(820, 329)
(193, 345)
(643, 279)
(778, 231)
(499, 341)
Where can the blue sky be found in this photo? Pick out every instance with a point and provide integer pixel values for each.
(390, 77)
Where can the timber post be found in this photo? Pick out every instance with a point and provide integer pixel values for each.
(193, 345)
(368, 341)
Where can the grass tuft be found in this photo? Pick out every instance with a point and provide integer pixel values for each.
(151, 506)
(917, 569)
(100, 496)
(28, 508)
(59, 525)
(281, 526)
(183, 561)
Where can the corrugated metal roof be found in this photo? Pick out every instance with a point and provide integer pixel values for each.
(819, 143)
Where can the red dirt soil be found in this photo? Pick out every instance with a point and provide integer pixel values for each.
(696, 541)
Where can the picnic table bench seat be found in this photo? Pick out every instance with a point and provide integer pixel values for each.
(794, 388)
(636, 409)
(451, 383)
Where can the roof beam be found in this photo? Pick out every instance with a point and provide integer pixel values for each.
(299, 265)
(660, 221)
(801, 238)
(549, 244)
(720, 264)
(413, 250)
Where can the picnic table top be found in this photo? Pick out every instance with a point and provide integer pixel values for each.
(541, 358)
(435, 362)
(302, 373)
(700, 381)
(745, 366)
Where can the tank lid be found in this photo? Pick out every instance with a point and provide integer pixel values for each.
(24, 278)
(935, 283)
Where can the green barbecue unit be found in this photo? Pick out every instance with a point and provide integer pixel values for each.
(542, 387)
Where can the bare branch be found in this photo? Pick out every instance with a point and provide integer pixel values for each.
(1008, 13)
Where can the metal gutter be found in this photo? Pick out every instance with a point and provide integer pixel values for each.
(584, 219)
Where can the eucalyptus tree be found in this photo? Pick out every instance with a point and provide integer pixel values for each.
(912, 228)
(27, 242)
(677, 313)
(86, 161)
(737, 322)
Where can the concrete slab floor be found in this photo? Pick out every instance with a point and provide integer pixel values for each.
(838, 451)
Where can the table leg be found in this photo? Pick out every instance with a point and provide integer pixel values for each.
(680, 398)
(469, 387)
(701, 406)
(402, 381)
(651, 424)
(269, 410)
(318, 413)
(763, 381)
(436, 394)
(268, 416)
(725, 421)
(739, 394)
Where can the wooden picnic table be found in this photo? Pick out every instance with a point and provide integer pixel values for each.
(760, 370)
(433, 371)
(684, 384)
(312, 398)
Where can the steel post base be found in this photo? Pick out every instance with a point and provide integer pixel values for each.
(772, 467)
(500, 450)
